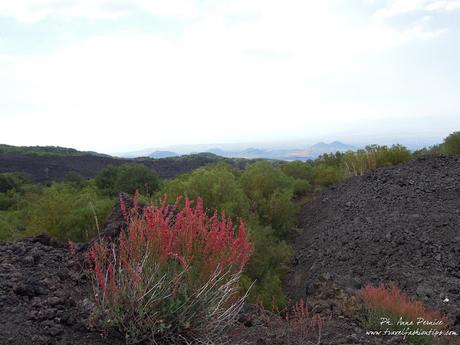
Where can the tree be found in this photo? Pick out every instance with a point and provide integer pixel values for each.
(270, 193)
(128, 178)
(298, 170)
(451, 143)
(132, 177)
(217, 185)
(326, 175)
(10, 181)
(105, 180)
(75, 179)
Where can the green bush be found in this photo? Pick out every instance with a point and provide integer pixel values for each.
(10, 226)
(387, 156)
(217, 186)
(301, 187)
(261, 179)
(451, 144)
(105, 180)
(269, 190)
(75, 179)
(5, 201)
(132, 177)
(67, 213)
(357, 162)
(128, 178)
(267, 266)
(302, 173)
(330, 159)
(327, 175)
(298, 170)
(10, 181)
(281, 212)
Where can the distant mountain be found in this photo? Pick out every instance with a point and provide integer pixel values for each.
(283, 153)
(321, 147)
(163, 154)
(255, 152)
(264, 151)
(334, 146)
(217, 151)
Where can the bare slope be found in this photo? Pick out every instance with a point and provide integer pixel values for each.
(398, 224)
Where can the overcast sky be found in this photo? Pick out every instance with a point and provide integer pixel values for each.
(120, 75)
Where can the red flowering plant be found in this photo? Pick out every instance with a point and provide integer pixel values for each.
(172, 277)
(303, 325)
(294, 325)
(390, 309)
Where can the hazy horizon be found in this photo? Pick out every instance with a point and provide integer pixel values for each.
(120, 76)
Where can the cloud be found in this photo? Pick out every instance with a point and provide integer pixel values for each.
(417, 17)
(395, 8)
(37, 10)
(445, 5)
(231, 74)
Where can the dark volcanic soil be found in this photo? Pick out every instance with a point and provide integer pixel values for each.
(55, 168)
(399, 224)
(44, 296)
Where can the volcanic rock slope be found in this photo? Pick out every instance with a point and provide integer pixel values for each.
(44, 296)
(399, 224)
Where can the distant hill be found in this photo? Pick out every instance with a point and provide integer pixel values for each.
(321, 147)
(275, 153)
(52, 164)
(163, 154)
(217, 151)
(49, 151)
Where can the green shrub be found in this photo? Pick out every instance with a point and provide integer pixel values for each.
(105, 180)
(261, 179)
(10, 226)
(75, 179)
(128, 178)
(298, 170)
(330, 159)
(267, 267)
(301, 187)
(282, 212)
(327, 175)
(451, 143)
(6, 201)
(132, 177)
(387, 156)
(67, 213)
(270, 194)
(10, 181)
(356, 163)
(217, 186)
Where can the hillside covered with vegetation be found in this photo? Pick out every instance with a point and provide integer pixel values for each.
(46, 165)
(41, 151)
(267, 195)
